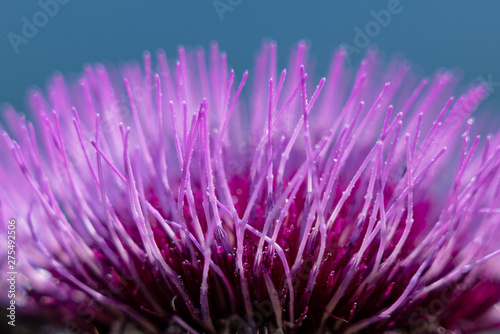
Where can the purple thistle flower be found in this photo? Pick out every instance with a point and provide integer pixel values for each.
(169, 203)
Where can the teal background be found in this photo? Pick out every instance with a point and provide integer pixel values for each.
(432, 34)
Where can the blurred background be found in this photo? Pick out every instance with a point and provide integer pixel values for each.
(40, 37)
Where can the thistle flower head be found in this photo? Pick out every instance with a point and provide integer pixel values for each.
(181, 198)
